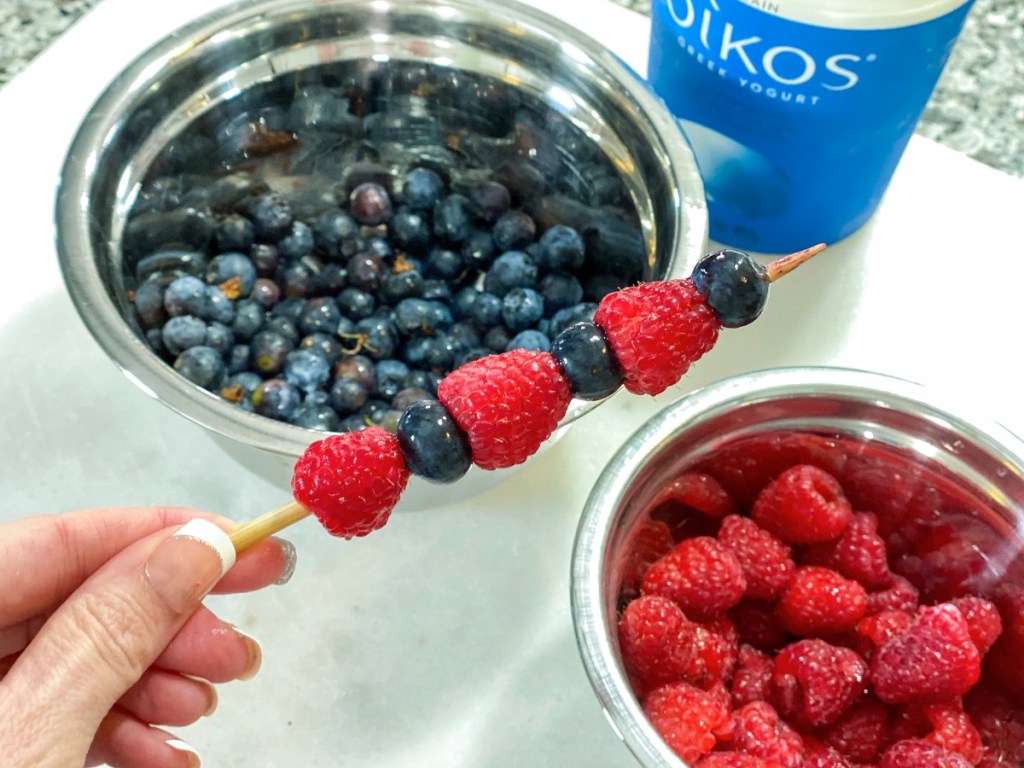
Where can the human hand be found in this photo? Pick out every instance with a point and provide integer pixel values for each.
(103, 634)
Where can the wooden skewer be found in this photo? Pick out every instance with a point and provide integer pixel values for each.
(786, 264)
(267, 525)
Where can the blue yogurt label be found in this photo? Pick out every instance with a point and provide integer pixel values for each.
(797, 128)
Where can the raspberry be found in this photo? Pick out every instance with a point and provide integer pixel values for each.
(686, 718)
(933, 659)
(759, 626)
(698, 491)
(953, 730)
(656, 641)
(1000, 725)
(983, 621)
(751, 681)
(715, 650)
(767, 563)
(1003, 666)
(814, 682)
(735, 760)
(657, 331)
(351, 481)
(507, 404)
(861, 733)
(900, 595)
(858, 554)
(758, 730)
(872, 632)
(954, 557)
(818, 602)
(648, 541)
(803, 505)
(917, 753)
(700, 575)
(818, 755)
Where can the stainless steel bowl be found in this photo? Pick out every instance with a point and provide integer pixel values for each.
(850, 415)
(224, 55)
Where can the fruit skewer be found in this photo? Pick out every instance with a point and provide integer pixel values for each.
(496, 411)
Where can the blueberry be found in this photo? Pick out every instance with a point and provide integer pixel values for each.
(297, 242)
(307, 369)
(238, 387)
(237, 358)
(432, 444)
(266, 257)
(277, 399)
(489, 200)
(268, 351)
(234, 271)
(347, 396)
(396, 286)
(514, 231)
(336, 235)
(328, 279)
(409, 395)
(356, 304)
(290, 309)
(586, 359)
(319, 315)
(733, 285)
(615, 247)
(201, 365)
(283, 326)
(561, 248)
(425, 380)
(478, 251)
(271, 216)
(326, 344)
(155, 340)
(370, 203)
(469, 355)
(531, 340)
(445, 264)
(266, 293)
(295, 278)
(149, 305)
(452, 220)
(486, 310)
(435, 289)
(422, 189)
(234, 233)
(379, 337)
(365, 271)
(513, 269)
(419, 317)
(521, 308)
(391, 376)
(321, 418)
(497, 338)
(248, 319)
(219, 307)
(165, 265)
(359, 368)
(560, 291)
(563, 318)
(181, 332)
(465, 298)
(219, 337)
(352, 423)
(410, 231)
(187, 295)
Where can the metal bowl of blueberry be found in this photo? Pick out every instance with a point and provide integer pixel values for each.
(290, 218)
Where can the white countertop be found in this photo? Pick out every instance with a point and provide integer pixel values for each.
(445, 639)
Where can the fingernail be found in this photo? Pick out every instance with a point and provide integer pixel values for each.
(214, 701)
(185, 567)
(254, 655)
(181, 746)
(290, 556)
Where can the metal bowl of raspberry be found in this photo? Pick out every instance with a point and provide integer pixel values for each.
(808, 566)
(290, 218)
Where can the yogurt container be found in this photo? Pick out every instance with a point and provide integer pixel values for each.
(798, 110)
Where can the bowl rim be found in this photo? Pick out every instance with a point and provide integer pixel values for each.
(600, 513)
(73, 214)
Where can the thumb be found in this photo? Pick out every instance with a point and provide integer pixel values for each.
(98, 643)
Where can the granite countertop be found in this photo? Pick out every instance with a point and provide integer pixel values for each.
(977, 107)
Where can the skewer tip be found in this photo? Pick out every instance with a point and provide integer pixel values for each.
(786, 264)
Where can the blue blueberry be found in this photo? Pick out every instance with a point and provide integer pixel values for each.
(497, 338)
(512, 269)
(276, 399)
(187, 295)
(268, 351)
(365, 271)
(410, 231)
(478, 251)
(514, 230)
(239, 386)
(155, 340)
(444, 264)
(283, 326)
(560, 291)
(234, 268)
(266, 292)
(271, 216)
(219, 307)
(307, 369)
(297, 241)
(561, 248)
(396, 286)
(586, 359)
(220, 338)
(181, 332)
(356, 304)
(290, 309)
(489, 201)
(321, 418)
(249, 317)
(733, 285)
(237, 359)
(435, 289)
(296, 278)
(370, 204)
(452, 222)
(419, 317)
(391, 376)
(201, 365)
(336, 235)
(347, 396)
(521, 308)
(432, 444)
(234, 233)
(266, 258)
(326, 344)
(358, 368)
(149, 305)
(422, 189)
(563, 318)
(531, 340)
(379, 337)
(409, 395)
(319, 315)
(328, 279)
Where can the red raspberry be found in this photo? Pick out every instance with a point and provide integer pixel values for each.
(656, 641)
(1004, 668)
(657, 331)
(954, 558)
(818, 755)
(983, 621)
(649, 541)
(758, 730)
(715, 650)
(819, 602)
(917, 753)
(751, 681)
(861, 733)
(858, 554)
(700, 492)
(900, 595)
(759, 626)
(933, 659)
(735, 760)
(814, 682)
(953, 730)
(803, 505)
(507, 404)
(351, 481)
(872, 632)
(686, 718)
(767, 563)
(1001, 726)
(702, 576)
